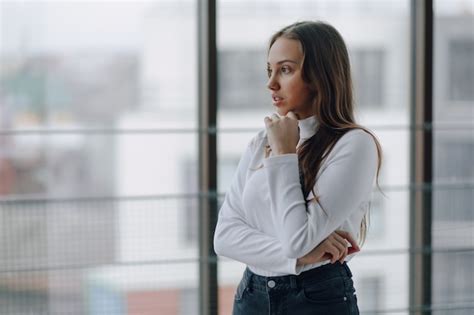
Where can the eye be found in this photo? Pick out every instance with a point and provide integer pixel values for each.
(269, 72)
(285, 69)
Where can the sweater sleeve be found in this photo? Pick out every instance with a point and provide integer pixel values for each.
(236, 239)
(342, 185)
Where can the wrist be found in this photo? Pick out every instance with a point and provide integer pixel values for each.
(300, 261)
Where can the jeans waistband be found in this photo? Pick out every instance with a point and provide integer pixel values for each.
(315, 275)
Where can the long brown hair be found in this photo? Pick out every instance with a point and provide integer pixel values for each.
(326, 70)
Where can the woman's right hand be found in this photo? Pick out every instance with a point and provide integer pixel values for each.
(335, 247)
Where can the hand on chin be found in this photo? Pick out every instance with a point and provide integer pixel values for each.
(284, 111)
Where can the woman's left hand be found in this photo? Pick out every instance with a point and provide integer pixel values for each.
(282, 132)
(335, 247)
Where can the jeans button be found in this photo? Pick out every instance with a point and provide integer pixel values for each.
(271, 284)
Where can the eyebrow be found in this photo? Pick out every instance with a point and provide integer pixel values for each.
(282, 61)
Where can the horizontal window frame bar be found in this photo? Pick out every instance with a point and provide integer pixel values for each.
(37, 198)
(372, 252)
(115, 131)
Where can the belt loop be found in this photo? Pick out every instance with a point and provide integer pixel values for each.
(349, 273)
(248, 277)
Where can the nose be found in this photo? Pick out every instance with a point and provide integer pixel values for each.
(272, 83)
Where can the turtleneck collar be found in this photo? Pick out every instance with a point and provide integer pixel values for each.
(307, 127)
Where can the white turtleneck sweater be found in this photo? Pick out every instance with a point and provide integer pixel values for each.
(264, 221)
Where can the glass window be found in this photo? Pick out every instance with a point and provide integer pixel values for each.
(453, 153)
(189, 302)
(380, 59)
(461, 69)
(190, 210)
(240, 71)
(368, 67)
(370, 293)
(100, 117)
(98, 150)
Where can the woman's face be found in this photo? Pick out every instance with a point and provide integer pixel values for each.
(288, 90)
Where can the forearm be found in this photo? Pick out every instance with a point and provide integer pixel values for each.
(289, 210)
(236, 240)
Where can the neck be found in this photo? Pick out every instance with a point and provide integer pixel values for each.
(307, 126)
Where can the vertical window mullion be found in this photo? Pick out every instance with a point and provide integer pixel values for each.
(207, 107)
(421, 151)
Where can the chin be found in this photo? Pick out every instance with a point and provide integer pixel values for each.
(282, 111)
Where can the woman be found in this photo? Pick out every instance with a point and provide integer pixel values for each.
(302, 188)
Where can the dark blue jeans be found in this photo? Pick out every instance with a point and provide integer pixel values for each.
(324, 290)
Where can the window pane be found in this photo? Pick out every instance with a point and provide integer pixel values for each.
(368, 72)
(380, 66)
(98, 157)
(453, 146)
(461, 70)
(58, 70)
(371, 280)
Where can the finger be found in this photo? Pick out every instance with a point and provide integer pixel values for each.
(341, 240)
(275, 117)
(291, 115)
(267, 121)
(354, 248)
(349, 238)
(344, 256)
(326, 256)
(334, 252)
(341, 247)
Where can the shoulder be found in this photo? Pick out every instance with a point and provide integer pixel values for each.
(358, 138)
(359, 143)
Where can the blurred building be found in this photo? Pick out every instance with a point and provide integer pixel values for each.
(46, 223)
(96, 222)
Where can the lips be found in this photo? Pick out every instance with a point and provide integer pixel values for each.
(277, 100)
